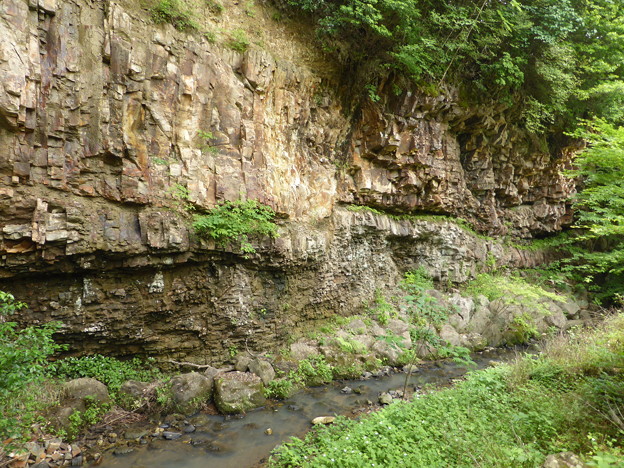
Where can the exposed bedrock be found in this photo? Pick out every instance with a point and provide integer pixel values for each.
(104, 116)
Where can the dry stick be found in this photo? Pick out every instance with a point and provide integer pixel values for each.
(467, 36)
(190, 364)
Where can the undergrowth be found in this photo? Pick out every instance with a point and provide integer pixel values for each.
(569, 398)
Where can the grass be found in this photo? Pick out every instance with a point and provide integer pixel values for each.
(512, 290)
(570, 397)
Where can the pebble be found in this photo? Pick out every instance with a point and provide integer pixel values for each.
(293, 408)
(171, 435)
(189, 428)
(347, 391)
(268, 431)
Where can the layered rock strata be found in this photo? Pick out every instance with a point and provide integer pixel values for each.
(110, 124)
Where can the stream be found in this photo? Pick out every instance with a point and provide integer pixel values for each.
(243, 442)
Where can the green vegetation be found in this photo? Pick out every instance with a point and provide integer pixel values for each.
(23, 356)
(208, 139)
(238, 41)
(110, 371)
(174, 12)
(548, 60)
(570, 397)
(598, 253)
(512, 290)
(235, 222)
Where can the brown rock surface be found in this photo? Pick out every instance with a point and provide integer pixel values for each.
(101, 115)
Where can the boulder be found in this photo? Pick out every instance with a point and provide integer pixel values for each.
(237, 392)
(356, 326)
(85, 389)
(563, 460)
(387, 352)
(300, 351)
(450, 335)
(242, 362)
(190, 391)
(262, 369)
(133, 394)
(323, 420)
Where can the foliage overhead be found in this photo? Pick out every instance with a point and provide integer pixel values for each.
(600, 209)
(555, 60)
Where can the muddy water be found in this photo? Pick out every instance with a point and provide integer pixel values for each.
(242, 442)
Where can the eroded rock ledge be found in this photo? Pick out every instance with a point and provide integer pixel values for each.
(100, 119)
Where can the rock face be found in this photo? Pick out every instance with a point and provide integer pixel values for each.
(237, 392)
(101, 121)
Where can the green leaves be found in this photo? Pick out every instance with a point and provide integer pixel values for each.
(552, 60)
(600, 208)
(236, 221)
(23, 354)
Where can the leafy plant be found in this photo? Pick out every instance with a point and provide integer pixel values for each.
(110, 371)
(23, 357)
(599, 253)
(238, 41)
(235, 222)
(279, 389)
(174, 13)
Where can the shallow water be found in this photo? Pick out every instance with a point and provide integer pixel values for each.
(241, 442)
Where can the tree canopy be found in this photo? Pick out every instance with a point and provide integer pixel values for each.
(554, 60)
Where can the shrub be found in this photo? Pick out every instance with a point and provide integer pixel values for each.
(23, 356)
(174, 13)
(236, 221)
(238, 41)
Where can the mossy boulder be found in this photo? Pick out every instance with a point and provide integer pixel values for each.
(190, 391)
(237, 392)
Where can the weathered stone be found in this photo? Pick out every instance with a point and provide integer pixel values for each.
(242, 362)
(190, 391)
(563, 460)
(86, 390)
(450, 335)
(133, 394)
(323, 420)
(262, 369)
(300, 351)
(385, 399)
(237, 392)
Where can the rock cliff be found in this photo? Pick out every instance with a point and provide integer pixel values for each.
(104, 116)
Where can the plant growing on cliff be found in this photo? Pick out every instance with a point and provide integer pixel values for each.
(175, 13)
(235, 222)
(238, 41)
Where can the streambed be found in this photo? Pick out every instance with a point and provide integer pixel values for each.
(243, 442)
